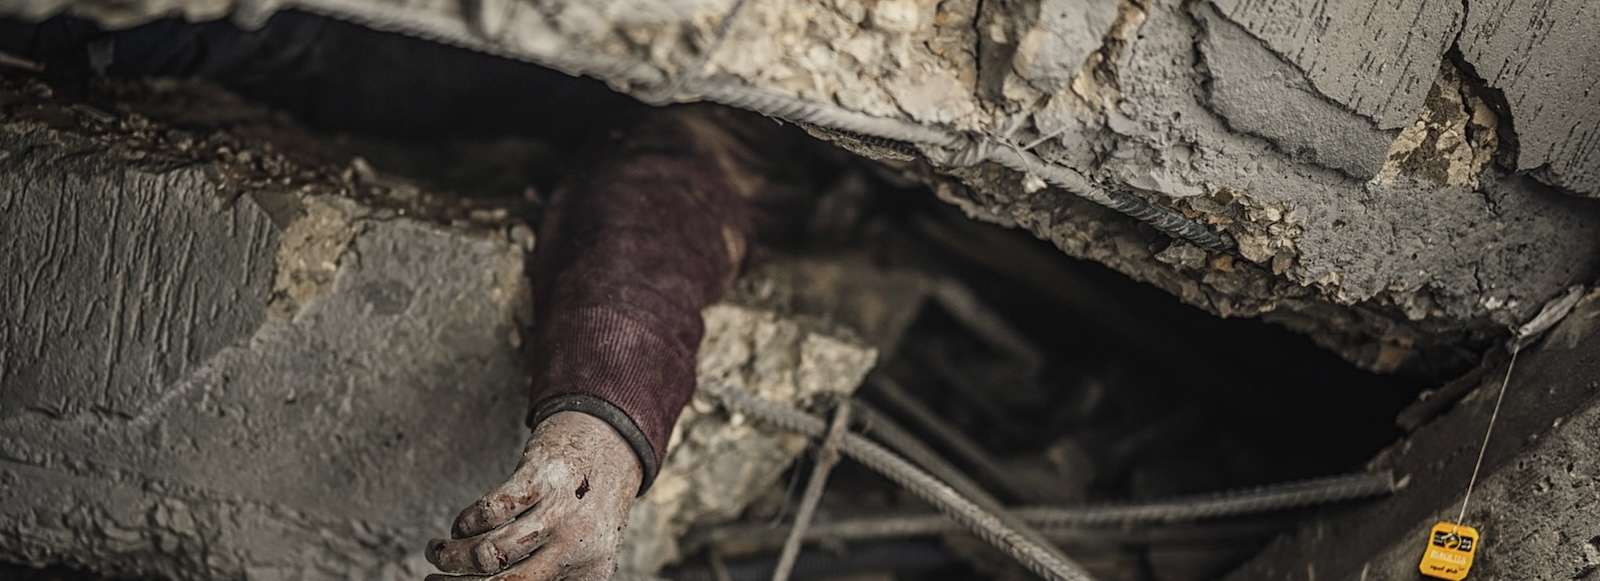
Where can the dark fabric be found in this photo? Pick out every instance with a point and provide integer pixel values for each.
(635, 246)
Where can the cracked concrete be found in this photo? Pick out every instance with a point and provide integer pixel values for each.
(141, 328)
(1244, 74)
(1375, 58)
(212, 374)
(1397, 182)
(1415, 143)
(391, 393)
(1413, 260)
(1540, 58)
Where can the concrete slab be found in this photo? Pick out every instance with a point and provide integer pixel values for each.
(1377, 164)
(208, 439)
(1537, 500)
(209, 380)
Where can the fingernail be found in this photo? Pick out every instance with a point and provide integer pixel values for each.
(434, 546)
(490, 558)
(465, 522)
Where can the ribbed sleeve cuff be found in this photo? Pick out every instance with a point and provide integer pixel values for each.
(610, 414)
(611, 362)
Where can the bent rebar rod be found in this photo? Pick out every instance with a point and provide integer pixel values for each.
(1040, 558)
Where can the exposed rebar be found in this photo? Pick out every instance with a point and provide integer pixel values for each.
(1090, 524)
(1232, 503)
(956, 149)
(827, 457)
(1042, 559)
(902, 525)
(893, 435)
(965, 450)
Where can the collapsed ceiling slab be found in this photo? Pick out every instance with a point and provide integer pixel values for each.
(1392, 184)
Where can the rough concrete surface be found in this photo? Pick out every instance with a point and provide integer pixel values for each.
(1373, 268)
(327, 444)
(1541, 57)
(1245, 75)
(1261, 120)
(300, 386)
(1370, 160)
(1374, 57)
(143, 317)
(1537, 499)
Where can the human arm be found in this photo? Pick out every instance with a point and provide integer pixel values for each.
(630, 251)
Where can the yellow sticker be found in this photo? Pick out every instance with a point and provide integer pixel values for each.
(1450, 550)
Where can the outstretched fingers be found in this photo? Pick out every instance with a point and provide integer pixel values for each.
(489, 553)
(496, 508)
(550, 563)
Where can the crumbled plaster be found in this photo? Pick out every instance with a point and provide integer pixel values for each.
(1423, 254)
(895, 58)
(718, 465)
(1044, 44)
(309, 250)
(1453, 140)
(663, 34)
(1096, 82)
(1263, 234)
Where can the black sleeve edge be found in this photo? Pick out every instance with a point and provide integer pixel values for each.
(610, 414)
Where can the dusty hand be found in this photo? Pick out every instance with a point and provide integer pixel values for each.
(560, 516)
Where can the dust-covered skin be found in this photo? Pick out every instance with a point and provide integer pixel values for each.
(561, 514)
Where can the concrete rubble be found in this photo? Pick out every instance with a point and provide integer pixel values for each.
(209, 373)
(717, 466)
(1400, 180)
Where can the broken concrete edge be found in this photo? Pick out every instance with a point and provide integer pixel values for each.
(1365, 246)
(317, 206)
(1534, 501)
(685, 41)
(190, 259)
(171, 487)
(1361, 267)
(1372, 281)
(72, 495)
(1397, 330)
(920, 62)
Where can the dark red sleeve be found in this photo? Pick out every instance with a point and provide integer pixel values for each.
(630, 250)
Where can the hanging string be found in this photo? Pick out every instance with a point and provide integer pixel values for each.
(1516, 347)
